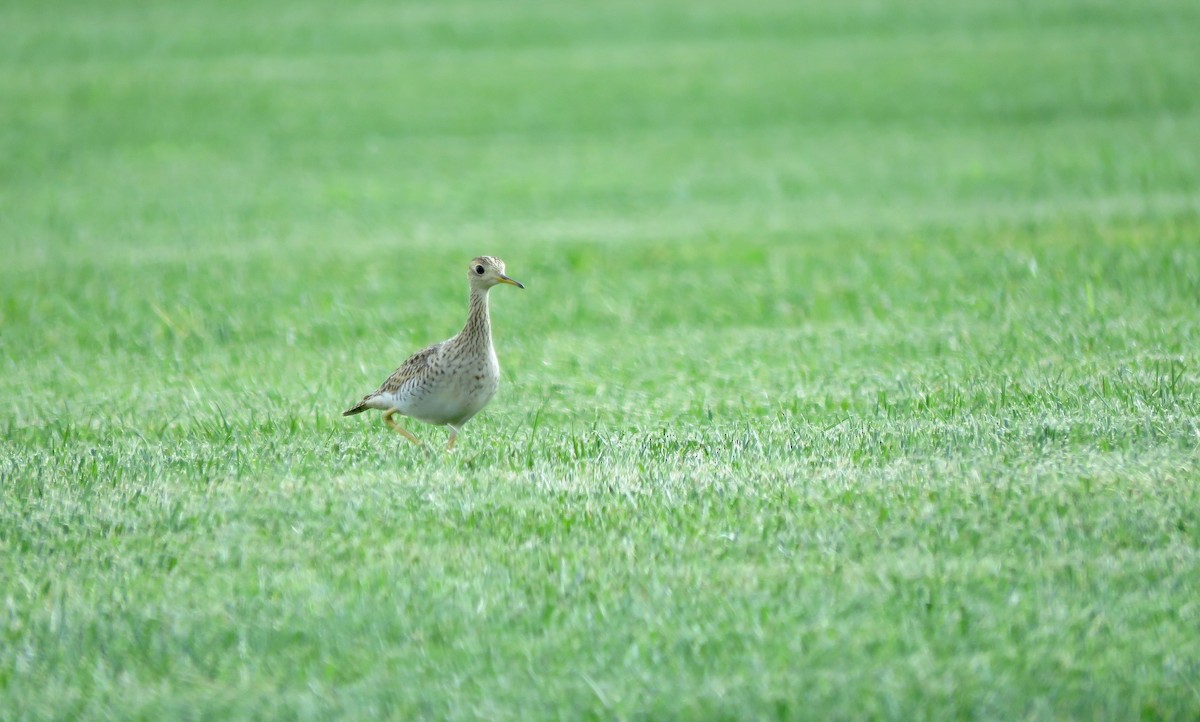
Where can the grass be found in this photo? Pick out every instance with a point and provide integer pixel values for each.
(856, 377)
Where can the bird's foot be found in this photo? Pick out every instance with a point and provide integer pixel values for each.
(387, 417)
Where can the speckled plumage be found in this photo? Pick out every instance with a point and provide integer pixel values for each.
(449, 382)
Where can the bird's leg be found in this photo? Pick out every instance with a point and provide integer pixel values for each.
(387, 418)
(453, 438)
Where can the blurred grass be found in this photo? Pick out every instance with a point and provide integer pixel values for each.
(856, 375)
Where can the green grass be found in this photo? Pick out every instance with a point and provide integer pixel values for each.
(857, 377)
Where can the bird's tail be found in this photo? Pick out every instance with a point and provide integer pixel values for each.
(361, 407)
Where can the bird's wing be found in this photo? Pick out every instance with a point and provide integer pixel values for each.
(412, 367)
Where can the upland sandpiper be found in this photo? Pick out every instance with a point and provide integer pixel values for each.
(449, 382)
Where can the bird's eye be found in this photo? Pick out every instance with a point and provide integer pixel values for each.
(479, 270)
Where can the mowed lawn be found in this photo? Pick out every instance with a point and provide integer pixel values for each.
(857, 375)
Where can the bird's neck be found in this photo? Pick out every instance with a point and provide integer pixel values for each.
(479, 322)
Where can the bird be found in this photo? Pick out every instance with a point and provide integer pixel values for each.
(447, 383)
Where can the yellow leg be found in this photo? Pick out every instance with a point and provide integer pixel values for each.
(453, 438)
(387, 417)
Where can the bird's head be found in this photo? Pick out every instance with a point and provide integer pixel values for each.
(488, 271)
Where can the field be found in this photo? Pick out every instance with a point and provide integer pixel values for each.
(857, 375)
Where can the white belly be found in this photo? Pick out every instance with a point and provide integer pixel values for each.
(450, 405)
(453, 396)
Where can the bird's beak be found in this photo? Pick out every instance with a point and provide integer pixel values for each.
(506, 279)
